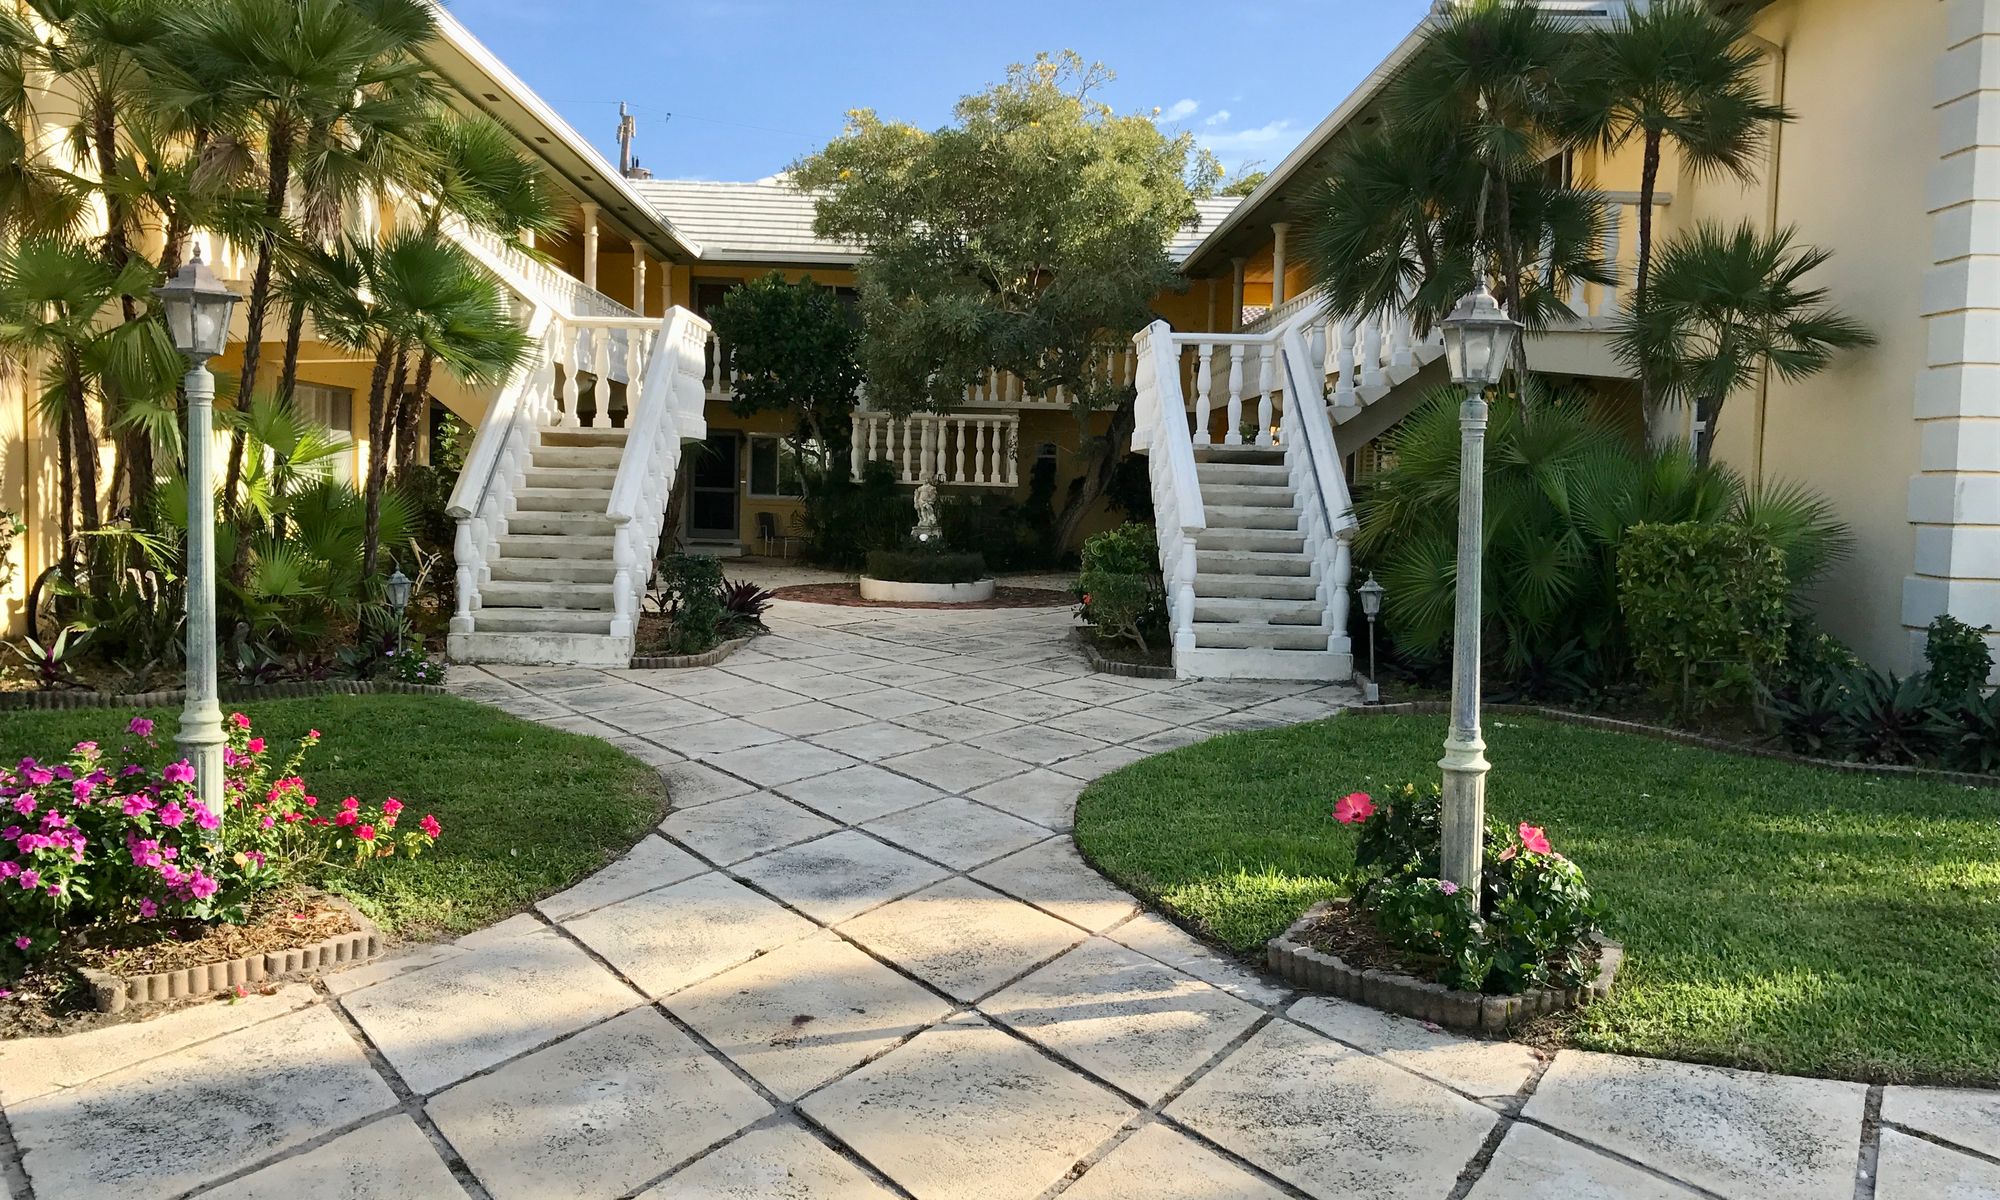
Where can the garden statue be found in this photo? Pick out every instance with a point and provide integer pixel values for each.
(927, 532)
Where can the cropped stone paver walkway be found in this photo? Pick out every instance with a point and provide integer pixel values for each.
(862, 959)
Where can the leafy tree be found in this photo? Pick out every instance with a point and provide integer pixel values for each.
(1243, 184)
(1030, 235)
(1726, 303)
(793, 348)
(1673, 71)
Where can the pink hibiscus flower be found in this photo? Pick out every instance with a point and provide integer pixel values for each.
(1533, 839)
(1353, 808)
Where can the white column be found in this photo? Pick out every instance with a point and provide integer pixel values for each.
(1236, 296)
(638, 277)
(1278, 231)
(1464, 762)
(590, 244)
(201, 738)
(1955, 496)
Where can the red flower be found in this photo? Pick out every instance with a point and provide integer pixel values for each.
(239, 720)
(392, 806)
(430, 826)
(344, 818)
(1533, 840)
(1353, 808)
(366, 833)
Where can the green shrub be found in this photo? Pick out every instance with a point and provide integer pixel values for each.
(1967, 731)
(1124, 597)
(1958, 656)
(925, 566)
(846, 519)
(688, 589)
(1130, 549)
(1013, 537)
(1705, 609)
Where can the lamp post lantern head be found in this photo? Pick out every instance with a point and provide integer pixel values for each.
(1371, 597)
(399, 592)
(198, 307)
(1479, 340)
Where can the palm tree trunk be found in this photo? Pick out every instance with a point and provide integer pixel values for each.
(259, 303)
(379, 417)
(84, 442)
(1706, 412)
(410, 412)
(1649, 186)
(295, 331)
(66, 495)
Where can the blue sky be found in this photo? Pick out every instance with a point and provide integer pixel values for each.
(737, 89)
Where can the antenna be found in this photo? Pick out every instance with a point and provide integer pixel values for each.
(628, 128)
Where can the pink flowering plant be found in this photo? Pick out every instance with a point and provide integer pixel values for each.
(1533, 923)
(109, 840)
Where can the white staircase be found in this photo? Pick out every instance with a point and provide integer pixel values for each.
(559, 518)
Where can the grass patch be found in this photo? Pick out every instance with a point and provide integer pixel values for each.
(1775, 916)
(527, 810)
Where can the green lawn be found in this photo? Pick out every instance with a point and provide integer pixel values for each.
(1775, 916)
(526, 810)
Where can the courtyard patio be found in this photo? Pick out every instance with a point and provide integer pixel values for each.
(862, 958)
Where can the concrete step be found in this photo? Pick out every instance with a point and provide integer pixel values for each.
(508, 593)
(1231, 635)
(1248, 495)
(1226, 472)
(538, 649)
(554, 570)
(543, 545)
(583, 524)
(583, 437)
(603, 459)
(1257, 610)
(1237, 516)
(541, 620)
(567, 478)
(1322, 664)
(1256, 455)
(1263, 541)
(1250, 587)
(562, 499)
(1245, 562)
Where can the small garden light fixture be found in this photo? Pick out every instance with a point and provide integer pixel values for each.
(1479, 342)
(398, 594)
(1371, 607)
(198, 308)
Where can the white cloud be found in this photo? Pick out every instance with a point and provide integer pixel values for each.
(1180, 110)
(1221, 117)
(1273, 135)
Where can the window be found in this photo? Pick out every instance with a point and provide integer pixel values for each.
(774, 467)
(332, 407)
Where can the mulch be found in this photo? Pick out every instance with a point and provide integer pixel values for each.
(1350, 934)
(848, 595)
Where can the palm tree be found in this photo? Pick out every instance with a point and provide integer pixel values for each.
(1673, 71)
(1725, 304)
(35, 197)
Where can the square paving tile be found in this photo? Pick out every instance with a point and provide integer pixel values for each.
(1027, 677)
(877, 739)
(1172, 707)
(1734, 1132)
(712, 738)
(650, 753)
(1172, 738)
(837, 877)
(782, 1162)
(965, 1112)
(667, 939)
(1099, 762)
(1037, 744)
(750, 698)
(741, 827)
(963, 689)
(165, 1126)
(1969, 1118)
(1124, 1018)
(896, 674)
(957, 832)
(1032, 706)
(439, 1024)
(595, 1115)
(832, 687)
(657, 713)
(776, 672)
(606, 694)
(1053, 877)
(1910, 1168)
(958, 722)
(1332, 1121)
(1160, 1163)
(806, 1012)
(585, 726)
(859, 793)
(390, 1157)
(691, 783)
(888, 704)
(1095, 689)
(1472, 1066)
(1534, 1162)
(1156, 937)
(780, 762)
(961, 938)
(804, 720)
(654, 862)
(1042, 796)
(955, 768)
(1108, 724)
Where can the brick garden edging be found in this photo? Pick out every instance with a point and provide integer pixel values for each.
(706, 658)
(111, 993)
(1111, 666)
(1661, 733)
(1318, 971)
(236, 693)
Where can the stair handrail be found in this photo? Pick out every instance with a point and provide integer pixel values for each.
(531, 277)
(664, 410)
(1160, 431)
(1314, 459)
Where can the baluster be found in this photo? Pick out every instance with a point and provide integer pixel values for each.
(1267, 380)
(622, 580)
(1336, 611)
(467, 555)
(1234, 437)
(1014, 453)
(855, 453)
(1607, 303)
(570, 391)
(1344, 388)
(1204, 404)
(600, 384)
(958, 450)
(1371, 352)
(1400, 353)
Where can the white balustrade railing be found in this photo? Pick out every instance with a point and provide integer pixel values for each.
(973, 449)
(1160, 431)
(666, 412)
(993, 389)
(1313, 460)
(532, 278)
